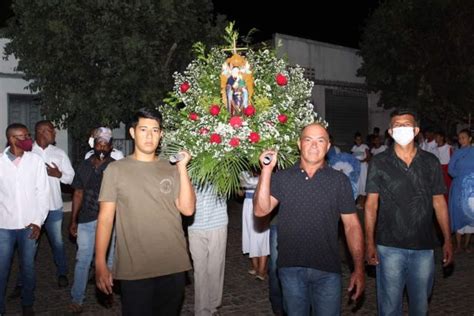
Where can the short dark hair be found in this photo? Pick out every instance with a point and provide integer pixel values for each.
(465, 131)
(42, 123)
(376, 130)
(399, 112)
(153, 114)
(14, 126)
(441, 133)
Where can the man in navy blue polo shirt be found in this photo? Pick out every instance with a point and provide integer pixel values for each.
(404, 185)
(313, 197)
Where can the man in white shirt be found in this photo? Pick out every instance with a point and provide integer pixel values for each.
(24, 205)
(429, 143)
(59, 169)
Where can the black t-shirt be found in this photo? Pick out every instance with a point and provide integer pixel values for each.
(88, 179)
(309, 213)
(405, 213)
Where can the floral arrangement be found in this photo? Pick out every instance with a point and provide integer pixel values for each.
(224, 140)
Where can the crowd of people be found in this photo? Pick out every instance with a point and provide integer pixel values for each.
(127, 218)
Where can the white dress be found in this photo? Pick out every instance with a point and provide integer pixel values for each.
(255, 231)
(360, 153)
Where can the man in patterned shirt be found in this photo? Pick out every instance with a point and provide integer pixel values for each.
(404, 185)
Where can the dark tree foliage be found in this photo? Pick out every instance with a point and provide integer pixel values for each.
(420, 54)
(93, 62)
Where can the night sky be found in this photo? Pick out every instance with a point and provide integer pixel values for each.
(337, 22)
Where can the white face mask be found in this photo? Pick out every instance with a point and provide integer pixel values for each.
(403, 135)
(91, 142)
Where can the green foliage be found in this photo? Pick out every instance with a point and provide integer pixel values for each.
(94, 62)
(420, 54)
(222, 149)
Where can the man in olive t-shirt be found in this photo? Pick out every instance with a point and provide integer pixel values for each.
(148, 196)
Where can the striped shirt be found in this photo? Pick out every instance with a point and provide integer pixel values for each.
(211, 210)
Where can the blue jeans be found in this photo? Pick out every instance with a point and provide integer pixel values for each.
(27, 250)
(306, 289)
(398, 268)
(85, 253)
(53, 226)
(276, 298)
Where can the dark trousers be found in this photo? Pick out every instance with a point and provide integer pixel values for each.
(162, 295)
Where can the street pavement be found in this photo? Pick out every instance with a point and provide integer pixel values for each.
(243, 295)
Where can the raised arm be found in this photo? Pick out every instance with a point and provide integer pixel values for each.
(263, 202)
(186, 201)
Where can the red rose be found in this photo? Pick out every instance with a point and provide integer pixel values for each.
(249, 110)
(281, 80)
(235, 121)
(203, 131)
(234, 142)
(193, 116)
(282, 118)
(214, 110)
(184, 87)
(254, 137)
(215, 138)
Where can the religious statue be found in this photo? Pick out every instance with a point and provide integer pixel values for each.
(236, 84)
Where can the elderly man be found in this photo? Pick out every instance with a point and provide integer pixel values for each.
(24, 205)
(313, 197)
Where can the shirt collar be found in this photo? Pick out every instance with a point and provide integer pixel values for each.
(35, 145)
(296, 167)
(394, 156)
(11, 156)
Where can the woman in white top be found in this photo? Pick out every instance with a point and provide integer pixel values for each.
(361, 152)
(444, 153)
(255, 231)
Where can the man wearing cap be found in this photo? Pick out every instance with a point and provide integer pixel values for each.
(115, 153)
(85, 209)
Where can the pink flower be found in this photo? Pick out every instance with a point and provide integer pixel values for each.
(234, 142)
(281, 80)
(203, 131)
(184, 87)
(235, 121)
(193, 116)
(249, 110)
(282, 118)
(254, 137)
(215, 138)
(214, 110)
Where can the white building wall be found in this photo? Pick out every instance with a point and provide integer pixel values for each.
(11, 82)
(331, 63)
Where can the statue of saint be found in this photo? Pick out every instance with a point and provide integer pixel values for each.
(236, 84)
